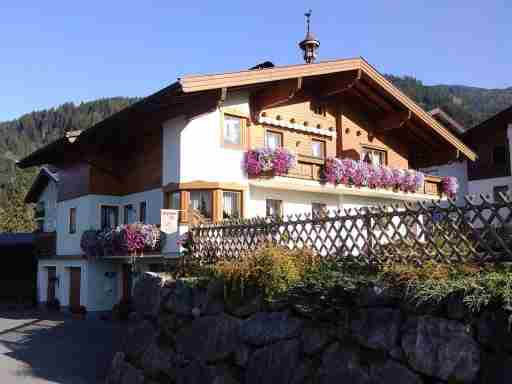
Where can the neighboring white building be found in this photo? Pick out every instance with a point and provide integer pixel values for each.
(183, 147)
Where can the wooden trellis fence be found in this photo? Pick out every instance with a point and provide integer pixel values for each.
(443, 231)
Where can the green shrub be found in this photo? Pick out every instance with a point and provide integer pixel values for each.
(271, 270)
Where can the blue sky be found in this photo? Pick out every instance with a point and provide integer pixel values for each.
(57, 51)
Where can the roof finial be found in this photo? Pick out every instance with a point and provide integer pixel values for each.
(309, 45)
(308, 17)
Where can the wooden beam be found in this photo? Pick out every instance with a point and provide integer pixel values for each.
(394, 120)
(371, 94)
(278, 94)
(339, 83)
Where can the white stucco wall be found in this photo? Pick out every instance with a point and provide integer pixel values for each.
(486, 186)
(63, 275)
(458, 169)
(104, 290)
(294, 202)
(192, 148)
(88, 215)
(49, 197)
(171, 150)
(97, 291)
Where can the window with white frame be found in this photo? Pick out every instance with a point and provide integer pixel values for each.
(231, 204)
(128, 214)
(174, 200)
(273, 139)
(232, 130)
(318, 148)
(274, 207)
(143, 212)
(374, 156)
(72, 220)
(318, 208)
(201, 200)
(109, 216)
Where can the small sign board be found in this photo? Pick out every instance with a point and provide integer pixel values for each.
(169, 221)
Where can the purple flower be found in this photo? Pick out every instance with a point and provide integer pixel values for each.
(359, 173)
(450, 186)
(279, 161)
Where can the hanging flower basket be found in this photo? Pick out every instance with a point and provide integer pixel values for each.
(124, 240)
(266, 162)
(350, 172)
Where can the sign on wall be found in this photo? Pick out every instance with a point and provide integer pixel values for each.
(169, 220)
(169, 226)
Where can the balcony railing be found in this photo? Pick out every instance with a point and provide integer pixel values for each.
(310, 168)
(263, 163)
(124, 240)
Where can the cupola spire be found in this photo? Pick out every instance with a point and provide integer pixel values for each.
(310, 44)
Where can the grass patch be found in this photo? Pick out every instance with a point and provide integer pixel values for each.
(274, 272)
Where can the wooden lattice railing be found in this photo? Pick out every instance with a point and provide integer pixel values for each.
(443, 231)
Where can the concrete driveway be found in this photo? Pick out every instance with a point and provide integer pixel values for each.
(56, 349)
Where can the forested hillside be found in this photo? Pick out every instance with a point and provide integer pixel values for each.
(31, 131)
(468, 105)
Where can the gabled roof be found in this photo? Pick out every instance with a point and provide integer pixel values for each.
(497, 121)
(190, 92)
(45, 175)
(190, 84)
(447, 121)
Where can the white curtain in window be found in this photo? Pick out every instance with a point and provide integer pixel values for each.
(202, 201)
(232, 130)
(231, 204)
(273, 140)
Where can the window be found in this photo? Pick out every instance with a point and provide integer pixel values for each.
(128, 214)
(318, 208)
(109, 216)
(232, 134)
(274, 207)
(202, 201)
(318, 148)
(231, 204)
(499, 155)
(142, 212)
(72, 220)
(174, 200)
(499, 189)
(374, 156)
(273, 139)
(39, 210)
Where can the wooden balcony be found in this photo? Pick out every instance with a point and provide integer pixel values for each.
(45, 244)
(309, 168)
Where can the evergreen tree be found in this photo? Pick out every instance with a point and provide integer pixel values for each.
(16, 216)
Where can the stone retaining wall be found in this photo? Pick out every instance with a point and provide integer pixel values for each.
(189, 335)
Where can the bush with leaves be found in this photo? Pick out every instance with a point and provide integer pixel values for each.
(271, 270)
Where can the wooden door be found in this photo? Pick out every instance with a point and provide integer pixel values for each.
(50, 293)
(74, 287)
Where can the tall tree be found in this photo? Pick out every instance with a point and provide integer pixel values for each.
(16, 216)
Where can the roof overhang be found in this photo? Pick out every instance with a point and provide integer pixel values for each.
(192, 95)
(201, 83)
(40, 182)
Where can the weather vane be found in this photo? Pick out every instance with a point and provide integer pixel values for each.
(310, 44)
(308, 16)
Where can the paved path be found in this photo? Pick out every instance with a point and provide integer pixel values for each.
(57, 349)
